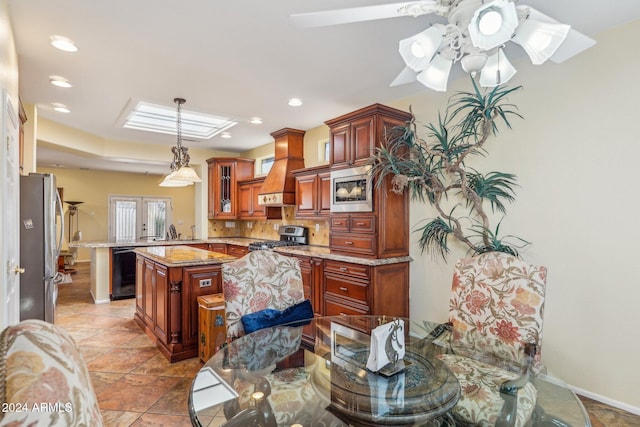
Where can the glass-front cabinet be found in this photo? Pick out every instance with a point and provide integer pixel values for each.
(224, 172)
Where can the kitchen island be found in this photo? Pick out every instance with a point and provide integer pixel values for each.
(169, 279)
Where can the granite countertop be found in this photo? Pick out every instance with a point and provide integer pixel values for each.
(325, 253)
(182, 256)
(309, 250)
(241, 241)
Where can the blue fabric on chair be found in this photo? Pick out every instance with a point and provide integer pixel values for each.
(271, 317)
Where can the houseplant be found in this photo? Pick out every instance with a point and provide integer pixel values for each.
(436, 169)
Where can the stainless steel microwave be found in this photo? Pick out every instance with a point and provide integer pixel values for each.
(351, 190)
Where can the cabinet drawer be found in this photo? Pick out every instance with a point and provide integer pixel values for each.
(335, 308)
(362, 223)
(353, 270)
(238, 251)
(349, 243)
(339, 223)
(345, 288)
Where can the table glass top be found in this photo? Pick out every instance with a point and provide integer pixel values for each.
(317, 374)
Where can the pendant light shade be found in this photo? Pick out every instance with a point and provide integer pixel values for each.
(170, 181)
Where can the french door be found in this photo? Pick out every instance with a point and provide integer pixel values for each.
(133, 217)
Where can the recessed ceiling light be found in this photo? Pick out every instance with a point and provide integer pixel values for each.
(225, 135)
(61, 108)
(59, 81)
(255, 121)
(63, 43)
(295, 102)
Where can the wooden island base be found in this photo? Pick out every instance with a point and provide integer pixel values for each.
(169, 281)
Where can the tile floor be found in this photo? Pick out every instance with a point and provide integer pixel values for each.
(137, 386)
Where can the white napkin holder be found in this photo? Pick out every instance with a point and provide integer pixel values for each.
(387, 348)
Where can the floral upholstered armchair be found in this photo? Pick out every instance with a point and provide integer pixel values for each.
(495, 316)
(43, 378)
(259, 281)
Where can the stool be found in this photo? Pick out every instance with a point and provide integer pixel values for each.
(212, 330)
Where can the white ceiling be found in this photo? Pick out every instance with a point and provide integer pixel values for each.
(240, 58)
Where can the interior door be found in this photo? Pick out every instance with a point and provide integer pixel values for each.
(9, 214)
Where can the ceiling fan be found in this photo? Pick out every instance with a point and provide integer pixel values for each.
(474, 34)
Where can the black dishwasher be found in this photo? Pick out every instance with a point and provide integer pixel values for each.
(123, 273)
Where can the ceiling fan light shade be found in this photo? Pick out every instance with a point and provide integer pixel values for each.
(497, 71)
(493, 24)
(540, 37)
(418, 50)
(436, 75)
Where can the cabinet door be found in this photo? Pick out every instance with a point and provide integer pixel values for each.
(324, 194)
(224, 187)
(197, 281)
(161, 305)
(362, 140)
(339, 146)
(211, 193)
(140, 289)
(149, 293)
(245, 201)
(306, 195)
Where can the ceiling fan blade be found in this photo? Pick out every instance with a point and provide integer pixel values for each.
(365, 13)
(574, 44)
(407, 75)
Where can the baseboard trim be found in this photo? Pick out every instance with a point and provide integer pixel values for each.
(95, 301)
(607, 401)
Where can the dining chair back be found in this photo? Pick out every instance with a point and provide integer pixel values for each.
(496, 311)
(260, 280)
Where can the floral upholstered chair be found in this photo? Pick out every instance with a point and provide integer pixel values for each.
(259, 281)
(495, 313)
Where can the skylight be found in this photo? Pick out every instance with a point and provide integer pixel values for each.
(162, 119)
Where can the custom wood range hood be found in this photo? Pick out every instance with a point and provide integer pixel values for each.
(279, 187)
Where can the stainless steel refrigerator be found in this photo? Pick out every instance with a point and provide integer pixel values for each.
(40, 243)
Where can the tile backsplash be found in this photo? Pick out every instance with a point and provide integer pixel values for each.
(268, 229)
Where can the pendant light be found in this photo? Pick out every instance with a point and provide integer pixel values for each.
(181, 173)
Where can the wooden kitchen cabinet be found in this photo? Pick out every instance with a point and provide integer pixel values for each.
(355, 289)
(384, 232)
(217, 247)
(249, 208)
(313, 192)
(353, 142)
(237, 250)
(224, 174)
(311, 270)
(167, 306)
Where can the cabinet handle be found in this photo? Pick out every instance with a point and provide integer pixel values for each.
(348, 243)
(343, 269)
(343, 289)
(359, 223)
(343, 314)
(337, 223)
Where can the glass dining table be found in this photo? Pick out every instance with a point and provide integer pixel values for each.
(315, 374)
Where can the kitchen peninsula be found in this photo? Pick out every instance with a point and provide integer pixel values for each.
(169, 279)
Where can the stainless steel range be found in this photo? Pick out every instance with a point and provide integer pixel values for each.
(290, 235)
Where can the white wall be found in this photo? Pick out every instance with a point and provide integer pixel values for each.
(576, 157)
